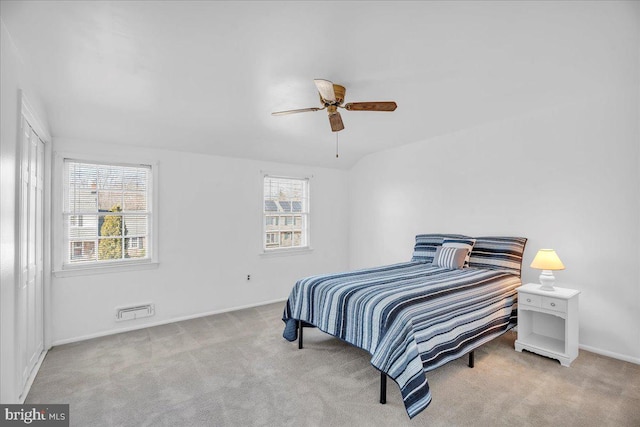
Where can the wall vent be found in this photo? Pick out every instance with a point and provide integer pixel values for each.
(135, 312)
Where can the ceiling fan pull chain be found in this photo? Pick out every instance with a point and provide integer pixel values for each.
(337, 145)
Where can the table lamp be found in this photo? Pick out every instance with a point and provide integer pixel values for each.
(547, 260)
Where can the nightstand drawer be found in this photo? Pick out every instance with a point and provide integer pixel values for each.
(555, 304)
(530, 299)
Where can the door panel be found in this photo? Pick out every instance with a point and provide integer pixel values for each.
(30, 325)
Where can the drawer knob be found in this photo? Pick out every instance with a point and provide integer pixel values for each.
(528, 299)
(553, 304)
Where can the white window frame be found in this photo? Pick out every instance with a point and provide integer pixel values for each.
(63, 269)
(287, 249)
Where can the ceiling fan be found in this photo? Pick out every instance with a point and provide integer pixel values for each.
(332, 97)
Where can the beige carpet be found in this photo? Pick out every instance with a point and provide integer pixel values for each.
(235, 369)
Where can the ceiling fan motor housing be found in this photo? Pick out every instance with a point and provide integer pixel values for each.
(339, 91)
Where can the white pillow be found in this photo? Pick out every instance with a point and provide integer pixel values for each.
(450, 257)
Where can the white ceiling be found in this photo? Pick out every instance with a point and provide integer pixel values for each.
(205, 76)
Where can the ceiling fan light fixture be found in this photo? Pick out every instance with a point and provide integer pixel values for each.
(335, 120)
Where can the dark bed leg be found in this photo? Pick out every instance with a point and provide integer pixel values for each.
(471, 359)
(383, 388)
(299, 334)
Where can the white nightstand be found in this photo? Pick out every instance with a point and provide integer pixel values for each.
(548, 322)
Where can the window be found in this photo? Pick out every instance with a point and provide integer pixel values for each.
(272, 240)
(106, 213)
(76, 220)
(286, 212)
(135, 243)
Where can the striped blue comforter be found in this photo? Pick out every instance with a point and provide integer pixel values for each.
(411, 317)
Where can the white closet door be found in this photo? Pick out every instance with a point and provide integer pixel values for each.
(30, 290)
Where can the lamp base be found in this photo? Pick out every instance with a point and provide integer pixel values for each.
(547, 279)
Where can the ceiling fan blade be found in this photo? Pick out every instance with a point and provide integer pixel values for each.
(336, 122)
(371, 106)
(325, 88)
(301, 110)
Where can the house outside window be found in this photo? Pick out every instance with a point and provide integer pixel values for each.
(286, 213)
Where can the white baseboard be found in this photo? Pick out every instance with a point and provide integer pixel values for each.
(32, 376)
(611, 354)
(161, 322)
(607, 353)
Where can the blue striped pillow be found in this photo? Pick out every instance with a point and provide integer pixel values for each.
(426, 245)
(450, 257)
(498, 253)
(466, 243)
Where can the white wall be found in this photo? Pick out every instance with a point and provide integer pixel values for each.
(210, 239)
(13, 78)
(564, 177)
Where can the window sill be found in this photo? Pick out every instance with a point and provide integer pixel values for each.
(286, 251)
(105, 269)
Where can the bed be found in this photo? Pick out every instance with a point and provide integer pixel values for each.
(415, 316)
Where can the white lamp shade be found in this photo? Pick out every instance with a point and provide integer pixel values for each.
(547, 259)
